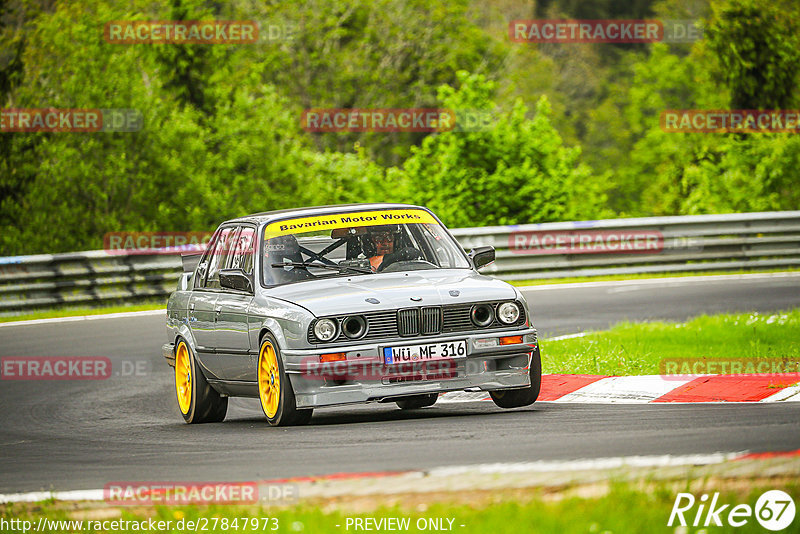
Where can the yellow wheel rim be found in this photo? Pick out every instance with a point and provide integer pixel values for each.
(269, 379)
(183, 377)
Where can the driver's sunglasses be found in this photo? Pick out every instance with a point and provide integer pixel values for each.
(382, 238)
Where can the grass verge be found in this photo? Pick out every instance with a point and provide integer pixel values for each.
(637, 348)
(76, 312)
(619, 507)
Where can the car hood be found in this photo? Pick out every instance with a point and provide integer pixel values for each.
(344, 295)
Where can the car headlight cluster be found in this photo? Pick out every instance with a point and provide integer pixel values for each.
(352, 326)
(508, 312)
(326, 329)
(483, 315)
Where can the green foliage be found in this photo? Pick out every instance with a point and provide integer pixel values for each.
(337, 178)
(672, 173)
(516, 171)
(374, 54)
(575, 133)
(759, 52)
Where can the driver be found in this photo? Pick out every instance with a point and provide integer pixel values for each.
(380, 242)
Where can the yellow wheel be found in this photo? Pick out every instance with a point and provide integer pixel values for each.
(274, 388)
(269, 379)
(197, 400)
(183, 377)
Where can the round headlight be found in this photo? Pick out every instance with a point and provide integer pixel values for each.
(508, 312)
(354, 326)
(482, 315)
(325, 329)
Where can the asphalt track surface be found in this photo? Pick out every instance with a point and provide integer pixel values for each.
(65, 435)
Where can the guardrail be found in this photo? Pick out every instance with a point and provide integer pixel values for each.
(693, 243)
(524, 252)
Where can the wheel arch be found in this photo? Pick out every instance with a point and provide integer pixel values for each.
(185, 333)
(272, 327)
(189, 339)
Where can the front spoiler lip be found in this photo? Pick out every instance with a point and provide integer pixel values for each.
(313, 396)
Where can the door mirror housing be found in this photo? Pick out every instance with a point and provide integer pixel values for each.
(235, 279)
(482, 256)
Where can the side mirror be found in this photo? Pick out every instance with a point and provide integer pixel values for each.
(235, 279)
(481, 256)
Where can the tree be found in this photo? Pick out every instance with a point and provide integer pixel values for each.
(516, 171)
(758, 48)
(373, 54)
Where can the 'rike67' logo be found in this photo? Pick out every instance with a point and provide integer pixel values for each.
(774, 510)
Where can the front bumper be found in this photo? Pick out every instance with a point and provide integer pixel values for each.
(363, 377)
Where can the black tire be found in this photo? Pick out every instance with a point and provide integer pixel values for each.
(415, 402)
(519, 397)
(286, 413)
(206, 404)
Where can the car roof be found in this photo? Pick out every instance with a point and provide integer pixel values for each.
(267, 216)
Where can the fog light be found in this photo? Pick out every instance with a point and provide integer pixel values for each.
(510, 340)
(485, 343)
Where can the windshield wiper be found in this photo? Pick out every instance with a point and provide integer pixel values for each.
(340, 268)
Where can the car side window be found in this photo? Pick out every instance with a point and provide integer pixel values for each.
(244, 250)
(202, 265)
(219, 255)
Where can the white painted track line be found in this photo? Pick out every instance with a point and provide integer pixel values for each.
(790, 394)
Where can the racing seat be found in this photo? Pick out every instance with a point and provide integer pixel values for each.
(283, 249)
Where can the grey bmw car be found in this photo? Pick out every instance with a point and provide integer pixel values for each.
(335, 305)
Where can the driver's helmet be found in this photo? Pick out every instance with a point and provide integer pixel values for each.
(375, 235)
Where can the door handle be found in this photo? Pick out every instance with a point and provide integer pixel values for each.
(191, 306)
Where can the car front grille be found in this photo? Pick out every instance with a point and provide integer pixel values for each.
(414, 322)
(431, 320)
(408, 322)
(419, 321)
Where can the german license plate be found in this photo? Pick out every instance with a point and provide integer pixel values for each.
(425, 353)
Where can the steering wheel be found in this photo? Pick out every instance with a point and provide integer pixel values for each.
(406, 254)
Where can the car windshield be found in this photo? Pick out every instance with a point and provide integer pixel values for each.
(356, 243)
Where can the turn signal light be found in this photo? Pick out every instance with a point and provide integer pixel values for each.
(333, 357)
(510, 340)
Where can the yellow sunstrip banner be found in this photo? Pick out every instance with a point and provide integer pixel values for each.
(348, 220)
